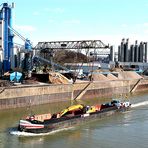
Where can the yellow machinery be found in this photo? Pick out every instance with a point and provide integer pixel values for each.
(71, 108)
(92, 109)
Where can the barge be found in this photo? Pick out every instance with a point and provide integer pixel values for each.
(69, 117)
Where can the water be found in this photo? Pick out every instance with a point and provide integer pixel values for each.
(129, 129)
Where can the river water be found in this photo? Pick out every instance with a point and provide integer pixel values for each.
(124, 130)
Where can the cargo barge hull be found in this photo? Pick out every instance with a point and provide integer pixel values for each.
(67, 122)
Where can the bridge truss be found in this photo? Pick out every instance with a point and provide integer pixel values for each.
(83, 44)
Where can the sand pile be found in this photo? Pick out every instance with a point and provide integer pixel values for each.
(111, 77)
(57, 78)
(116, 76)
(130, 75)
(99, 77)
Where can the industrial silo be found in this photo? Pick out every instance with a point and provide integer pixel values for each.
(136, 51)
(126, 52)
(132, 53)
(112, 54)
(21, 59)
(141, 50)
(119, 53)
(28, 62)
(146, 52)
(14, 58)
(122, 50)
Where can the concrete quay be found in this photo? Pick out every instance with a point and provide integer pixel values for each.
(27, 95)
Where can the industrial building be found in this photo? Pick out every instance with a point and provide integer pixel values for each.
(133, 55)
(13, 56)
(10, 54)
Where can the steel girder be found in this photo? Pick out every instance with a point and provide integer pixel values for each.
(83, 44)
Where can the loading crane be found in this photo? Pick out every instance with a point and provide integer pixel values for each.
(75, 45)
(49, 47)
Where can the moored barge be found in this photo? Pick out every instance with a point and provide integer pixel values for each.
(69, 117)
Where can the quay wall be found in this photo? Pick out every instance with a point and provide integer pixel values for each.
(21, 96)
(143, 86)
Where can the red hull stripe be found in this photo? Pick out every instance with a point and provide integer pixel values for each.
(32, 126)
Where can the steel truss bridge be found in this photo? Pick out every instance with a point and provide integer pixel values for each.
(83, 44)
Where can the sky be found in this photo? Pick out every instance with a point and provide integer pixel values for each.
(59, 20)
